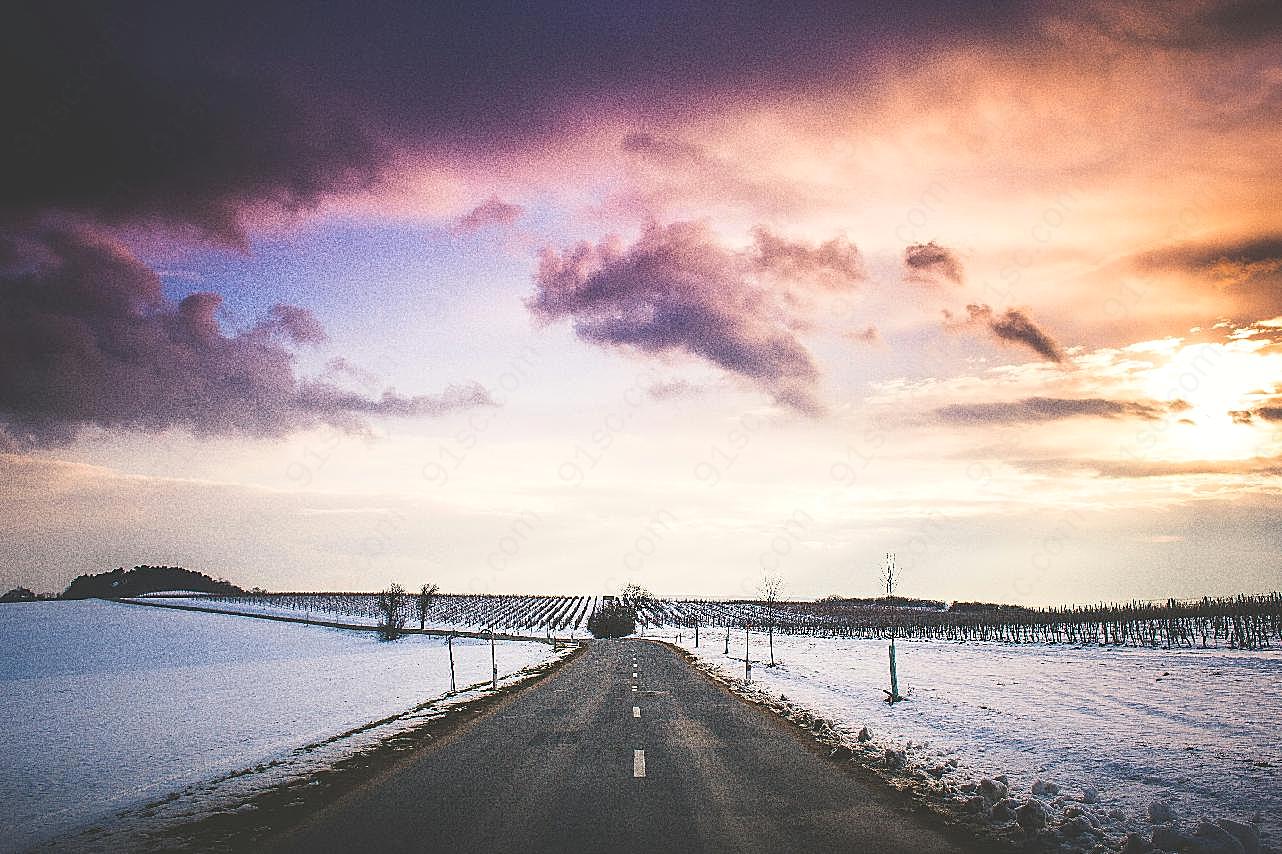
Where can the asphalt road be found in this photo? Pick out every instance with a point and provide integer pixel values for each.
(557, 769)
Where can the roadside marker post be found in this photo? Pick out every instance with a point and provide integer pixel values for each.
(494, 664)
(453, 685)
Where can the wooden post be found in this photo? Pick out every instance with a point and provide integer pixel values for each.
(696, 633)
(494, 664)
(453, 685)
(894, 676)
(747, 661)
(772, 645)
(727, 640)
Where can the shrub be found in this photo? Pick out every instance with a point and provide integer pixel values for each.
(391, 621)
(612, 621)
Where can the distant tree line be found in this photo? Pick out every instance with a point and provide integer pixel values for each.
(120, 583)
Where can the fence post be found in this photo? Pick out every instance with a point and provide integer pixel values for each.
(696, 632)
(494, 664)
(453, 685)
(894, 676)
(747, 660)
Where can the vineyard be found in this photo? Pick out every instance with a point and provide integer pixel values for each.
(1242, 622)
(461, 611)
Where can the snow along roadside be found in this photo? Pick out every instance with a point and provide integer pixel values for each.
(235, 810)
(941, 752)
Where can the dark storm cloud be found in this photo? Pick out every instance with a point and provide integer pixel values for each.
(1018, 328)
(1210, 26)
(189, 113)
(87, 337)
(678, 290)
(927, 263)
(136, 120)
(1269, 413)
(1034, 409)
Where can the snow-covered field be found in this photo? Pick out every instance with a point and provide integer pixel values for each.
(106, 705)
(1114, 730)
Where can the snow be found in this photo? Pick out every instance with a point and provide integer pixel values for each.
(106, 705)
(1102, 730)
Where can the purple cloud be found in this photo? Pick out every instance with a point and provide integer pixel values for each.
(87, 337)
(1033, 409)
(187, 115)
(492, 212)
(835, 263)
(678, 290)
(928, 263)
(1017, 328)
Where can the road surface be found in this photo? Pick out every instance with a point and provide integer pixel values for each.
(585, 762)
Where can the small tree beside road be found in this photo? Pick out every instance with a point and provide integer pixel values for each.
(391, 621)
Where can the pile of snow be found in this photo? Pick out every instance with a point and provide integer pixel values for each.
(106, 705)
(1079, 746)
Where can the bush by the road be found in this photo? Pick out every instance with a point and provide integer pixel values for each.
(612, 621)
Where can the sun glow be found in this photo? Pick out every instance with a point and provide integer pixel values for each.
(1213, 389)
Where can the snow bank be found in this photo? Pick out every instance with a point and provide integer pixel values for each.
(1093, 737)
(106, 705)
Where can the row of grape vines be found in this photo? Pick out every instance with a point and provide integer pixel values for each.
(1241, 622)
(462, 611)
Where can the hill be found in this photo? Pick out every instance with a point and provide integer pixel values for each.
(119, 583)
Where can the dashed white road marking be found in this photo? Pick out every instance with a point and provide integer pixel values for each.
(638, 763)
(636, 711)
(634, 674)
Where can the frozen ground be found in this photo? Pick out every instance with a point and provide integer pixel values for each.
(106, 705)
(1196, 729)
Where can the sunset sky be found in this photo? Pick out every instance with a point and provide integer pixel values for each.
(553, 297)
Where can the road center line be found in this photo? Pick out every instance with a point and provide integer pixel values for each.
(636, 711)
(638, 763)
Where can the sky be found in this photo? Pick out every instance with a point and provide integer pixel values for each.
(549, 298)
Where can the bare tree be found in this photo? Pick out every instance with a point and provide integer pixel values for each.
(634, 593)
(424, 602)
(639, 599)
(770, 588)
(889, 579)
(388, 604)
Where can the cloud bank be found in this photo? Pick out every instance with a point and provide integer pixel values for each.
(1035, 409)
(88, 338)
